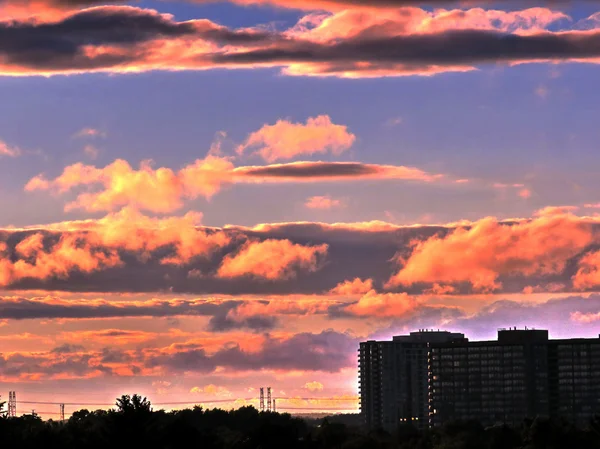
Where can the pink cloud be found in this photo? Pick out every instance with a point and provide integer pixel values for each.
(288, 140)
(9, 151)
(525, 193)
(90, 132)
(91, 151)
(585, 318)
(323, 203)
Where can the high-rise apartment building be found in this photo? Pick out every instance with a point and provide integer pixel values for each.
(490, 381)
(428, 378)
(393, 379)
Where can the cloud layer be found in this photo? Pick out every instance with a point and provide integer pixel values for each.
(139, 253)
(164, 190)
(348, 43)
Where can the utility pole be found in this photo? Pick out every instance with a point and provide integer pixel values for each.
(262, 399)
(12, 404)
(268, 399)
(274, 408)
(62, 412)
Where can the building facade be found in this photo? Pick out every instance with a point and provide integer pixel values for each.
(393, 379)
(429, 378)
(490, 381)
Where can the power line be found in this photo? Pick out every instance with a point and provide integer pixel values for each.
(317, 408)
(207, 401)
(317, 399)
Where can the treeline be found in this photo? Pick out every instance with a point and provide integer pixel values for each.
(134, 424)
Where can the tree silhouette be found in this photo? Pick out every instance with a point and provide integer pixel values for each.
(134, 423)
(133, 404)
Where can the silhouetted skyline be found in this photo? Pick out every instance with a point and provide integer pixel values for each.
(200, 198)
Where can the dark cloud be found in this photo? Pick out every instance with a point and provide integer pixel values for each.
(314, 170)
(61, 45)
(221, 319)
(64, 46)
(223, 322)
(448, 48)
(67, 349)
(328, 351)
(24, 308)
(50, 364)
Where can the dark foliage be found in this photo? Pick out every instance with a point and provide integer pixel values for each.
(133, 423)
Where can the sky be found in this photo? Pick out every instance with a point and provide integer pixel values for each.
(204, 198)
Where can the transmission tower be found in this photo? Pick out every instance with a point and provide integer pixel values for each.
(262, 399)
(268, 399)
(12, 404)
(62, 412)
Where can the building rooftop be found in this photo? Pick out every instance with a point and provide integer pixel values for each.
(430, 336)
(514, 335)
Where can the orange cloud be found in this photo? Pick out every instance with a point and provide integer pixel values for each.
(287, 140)
(71, 253)
(383, 305)
(588, 273)
(323, 202)
(163, 190)
(354, 287)
(350, 401)
(212, 390)
(272, 260)
(160, 190)
(555, 210)
(438, 289)
(94, 245)
(481, 253)
(130, 230)
(313, 386)
(552, 287)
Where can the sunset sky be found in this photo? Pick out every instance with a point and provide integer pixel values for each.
(203, 198)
